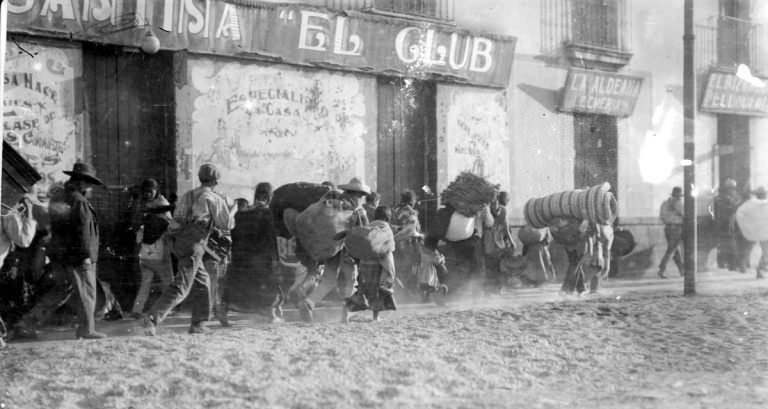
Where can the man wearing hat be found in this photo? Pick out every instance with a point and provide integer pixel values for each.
(199, 212)
(74, 250)
(339, 273)
(671, 213)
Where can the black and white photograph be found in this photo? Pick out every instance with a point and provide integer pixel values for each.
(316, 204)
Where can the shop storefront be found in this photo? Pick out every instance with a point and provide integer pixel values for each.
(597, 99)
(269, 92)
(736, 103)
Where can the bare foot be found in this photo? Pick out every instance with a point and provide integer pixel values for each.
(344, 315)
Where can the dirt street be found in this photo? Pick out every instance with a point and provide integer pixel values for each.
(629, 349)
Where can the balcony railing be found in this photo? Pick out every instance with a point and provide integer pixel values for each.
(431, 9)
(741, 42)
(601, 24)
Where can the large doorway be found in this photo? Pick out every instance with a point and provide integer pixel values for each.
(596, 160)
(733, 149)
(129, 97)
(407, 141)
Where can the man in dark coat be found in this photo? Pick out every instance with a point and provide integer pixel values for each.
(73, 250)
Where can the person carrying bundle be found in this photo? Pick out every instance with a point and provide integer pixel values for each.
(375, 277)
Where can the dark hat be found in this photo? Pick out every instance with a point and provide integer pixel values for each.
(208, 173)
(149, 184)
(677, 191)
(264, 188)
(85, 172)
(355, 185)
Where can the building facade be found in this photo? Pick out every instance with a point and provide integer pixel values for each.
(539, 96)
(278, 92)
(596, 95)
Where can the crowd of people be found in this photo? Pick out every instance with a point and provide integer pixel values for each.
(207, 250)
(210, 252)
(733, 248)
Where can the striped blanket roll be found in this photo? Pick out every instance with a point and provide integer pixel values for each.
(596, 204)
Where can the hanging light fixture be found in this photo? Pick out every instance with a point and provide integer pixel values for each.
(150, 44)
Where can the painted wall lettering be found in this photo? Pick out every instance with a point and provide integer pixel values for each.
(274, 124)
(38, 108)
(600, 92)
(298, 34)
(729, 94)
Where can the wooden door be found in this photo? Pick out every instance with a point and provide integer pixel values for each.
(734, 148)
(129, 98)
(407, 141)
(596, 161)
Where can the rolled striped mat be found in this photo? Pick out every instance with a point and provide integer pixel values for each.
(596, 204)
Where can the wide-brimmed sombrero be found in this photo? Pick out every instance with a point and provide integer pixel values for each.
(355, 185)
(84, 171)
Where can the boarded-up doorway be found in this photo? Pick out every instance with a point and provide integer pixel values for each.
(596, 160)
(407, 141)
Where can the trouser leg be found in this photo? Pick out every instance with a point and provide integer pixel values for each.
(215, 270)
(147, 274)
(190, 271)
(84, 280)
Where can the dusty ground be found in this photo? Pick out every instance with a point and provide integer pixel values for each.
(627, 350)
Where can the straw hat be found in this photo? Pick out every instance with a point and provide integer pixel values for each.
(355, 185)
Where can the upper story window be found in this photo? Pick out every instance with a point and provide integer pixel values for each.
(596, 22)
(423, 9)
(426, 8)
(592, 33)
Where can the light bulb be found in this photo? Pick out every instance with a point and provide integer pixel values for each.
(150, 44)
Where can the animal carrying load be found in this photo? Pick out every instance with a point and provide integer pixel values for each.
(468, 194)
(318, 227)
(370, 242)
(752, 217)
(297, 196)
(596, 204)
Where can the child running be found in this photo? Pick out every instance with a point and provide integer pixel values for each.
(431, 271)
(375, 281)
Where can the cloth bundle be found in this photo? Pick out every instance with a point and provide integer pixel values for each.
(752, 217)
(529, 235)
(460, 227)
(297, 196)
(370, 242)
(468, 194)
(596, 204)
(318, 226)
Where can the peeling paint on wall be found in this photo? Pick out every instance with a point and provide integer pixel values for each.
(272, 123)
(39, 112)
(473, 134)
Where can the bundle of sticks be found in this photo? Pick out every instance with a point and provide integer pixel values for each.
(468, 193)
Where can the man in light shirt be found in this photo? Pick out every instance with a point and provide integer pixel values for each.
(154, 255)
(197, 214)
(671, 213)
(17, 227)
